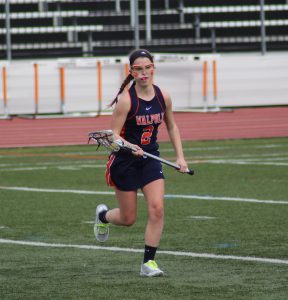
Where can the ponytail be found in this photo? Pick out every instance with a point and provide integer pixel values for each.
(124, 84)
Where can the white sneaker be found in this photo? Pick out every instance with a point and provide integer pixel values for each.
(101, 230)
(150, 269)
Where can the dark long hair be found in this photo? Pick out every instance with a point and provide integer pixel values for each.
(123, 85)
(132, 57)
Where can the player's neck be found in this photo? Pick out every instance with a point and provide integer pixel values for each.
(145, 92)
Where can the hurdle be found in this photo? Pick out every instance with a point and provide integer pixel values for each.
(62, 89)
(126, 73)
(5, 97)
(62, 86)
(69, 92)
(215, 106)
(205, 70)
(36, 89)
(205, 87)
(215, 91)
(99, 85)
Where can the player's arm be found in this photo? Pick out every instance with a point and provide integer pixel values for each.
(119, 116)
(174, 133)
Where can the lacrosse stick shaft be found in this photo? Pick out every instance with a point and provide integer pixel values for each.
(167, 162)
(162, 160)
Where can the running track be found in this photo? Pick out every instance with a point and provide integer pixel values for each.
(239, 123)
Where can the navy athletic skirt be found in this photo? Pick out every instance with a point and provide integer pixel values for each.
(129, 173)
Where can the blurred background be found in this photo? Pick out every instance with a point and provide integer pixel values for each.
(50, 28)
(209, 54)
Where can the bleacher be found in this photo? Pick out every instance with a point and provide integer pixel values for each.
(50, 28)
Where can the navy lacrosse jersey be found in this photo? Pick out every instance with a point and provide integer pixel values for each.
(143, 120)
(124, 170)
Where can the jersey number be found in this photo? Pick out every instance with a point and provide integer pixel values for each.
(146, 135)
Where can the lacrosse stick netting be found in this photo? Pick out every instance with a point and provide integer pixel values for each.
(104, 138)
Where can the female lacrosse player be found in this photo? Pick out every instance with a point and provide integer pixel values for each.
(137, 114)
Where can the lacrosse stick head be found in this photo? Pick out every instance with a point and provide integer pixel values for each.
(104, 138)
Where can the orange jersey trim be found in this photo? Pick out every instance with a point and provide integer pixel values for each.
(109, 180)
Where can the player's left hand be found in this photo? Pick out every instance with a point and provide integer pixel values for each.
(182, 164)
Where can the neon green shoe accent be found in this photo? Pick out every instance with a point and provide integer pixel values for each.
(152, 264)
(150, 269)
(101, 228)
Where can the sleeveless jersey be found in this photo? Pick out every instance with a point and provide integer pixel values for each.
(143, 120)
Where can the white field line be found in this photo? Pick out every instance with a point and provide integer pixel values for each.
(266, 159)
(167, 196)
(59, 167)
(248, 157)
(270, 156)
(208, 148)
(260, 157)
(203, 160)
(51, 163)
(214, 156)
(245, 162)
(79, 167)
(201, 218)
(132, 250)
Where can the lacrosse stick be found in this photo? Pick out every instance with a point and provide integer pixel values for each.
(106, 138)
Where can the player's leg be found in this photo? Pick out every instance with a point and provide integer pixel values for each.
(126, 213)
(154, 195)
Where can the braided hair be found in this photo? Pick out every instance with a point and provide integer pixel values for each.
(132, 57)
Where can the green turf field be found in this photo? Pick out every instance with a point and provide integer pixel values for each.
(225, 236)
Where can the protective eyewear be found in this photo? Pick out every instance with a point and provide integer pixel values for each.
(138, 68)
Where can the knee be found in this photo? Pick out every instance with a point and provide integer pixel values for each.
(128, 220)
(156, 212)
